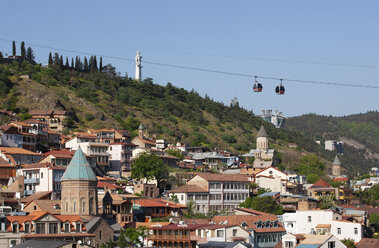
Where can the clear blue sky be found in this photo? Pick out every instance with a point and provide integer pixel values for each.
(182, 32)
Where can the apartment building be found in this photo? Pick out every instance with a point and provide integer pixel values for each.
(214, 192)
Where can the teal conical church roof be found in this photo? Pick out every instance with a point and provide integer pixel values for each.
(79, 168)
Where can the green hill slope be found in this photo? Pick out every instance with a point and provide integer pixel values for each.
(104, 100)
(359, 132)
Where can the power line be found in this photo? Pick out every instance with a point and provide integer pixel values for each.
(207, 70)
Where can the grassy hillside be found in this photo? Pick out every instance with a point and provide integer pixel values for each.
(360, 133)
(104, 99)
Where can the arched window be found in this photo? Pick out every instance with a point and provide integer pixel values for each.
(74, 207)
(90, 205)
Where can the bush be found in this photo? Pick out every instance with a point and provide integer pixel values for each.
(89, 117)
(229, 138)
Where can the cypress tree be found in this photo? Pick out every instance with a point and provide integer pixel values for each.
(23, 50)
(85, 64)
(61, 61)
(30, 54)
(56, 59)
(72, 63)
(14, 48)
(91, 66)
(50, 59)
(101, 64)
(95, 63)
(67, 65)
(1, 55)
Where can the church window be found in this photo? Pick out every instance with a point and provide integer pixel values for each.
(74, 207)
(84, 206)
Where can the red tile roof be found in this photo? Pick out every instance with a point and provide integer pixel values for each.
(59, 235)
(366, 243)
(178, 227)
(15, 150)
(4, 163)
(223, 177)
(252, 211)
(102, 184)
(188, 189)
(63, 153)
(250, 221)
(36, 196)
(343, 179)
(158, 203)
(321, 184)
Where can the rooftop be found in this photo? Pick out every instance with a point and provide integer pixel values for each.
(79, 168)
(188, 189)
(262, 132)
(223, 177)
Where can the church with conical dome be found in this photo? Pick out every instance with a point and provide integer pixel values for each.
(262, 152)
(79, 188)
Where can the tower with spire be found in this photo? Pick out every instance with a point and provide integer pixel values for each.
(79, 188)
(140, 131)
(336, 167)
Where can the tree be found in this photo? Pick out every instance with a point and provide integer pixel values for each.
(132, 237)
(150, 166)
(56, 58)
(109, 244)
(91, 64)
(175, 153)
(1, 55)
(61, 61)
(312, 178)
(85, 65)
(265, 204)
(327, 201)
(95, 63)
(349, 243)
(374, 221)
(101, 64)
(23, 51)
(174, 198)
(50, 59)
(66, 65)
(30, 53)
(72, 63)
(14, 48)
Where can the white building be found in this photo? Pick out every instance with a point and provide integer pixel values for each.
(322, 222)
(316, 241)
(89, 146)
(214, 192)
(119, 156)
(42, 177)
(272, 179)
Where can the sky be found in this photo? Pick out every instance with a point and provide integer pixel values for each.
(329, 41)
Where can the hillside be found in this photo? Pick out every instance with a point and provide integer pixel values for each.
(359, 132)
(104, 99)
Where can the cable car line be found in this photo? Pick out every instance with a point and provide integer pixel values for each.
(207, 70)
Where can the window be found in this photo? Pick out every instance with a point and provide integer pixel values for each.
(53, 227)
(34, 207)
(15, 228)
(67, 227)
(220, 233)
(77, 227)
(355, 230)
(234, 232)
(182, 197)
(27, 228)
(332, 244)
(288, 244)
(309, 218)
(41, 174)
(338, 230)
(100, 234)
(74, 207)
(40, 228)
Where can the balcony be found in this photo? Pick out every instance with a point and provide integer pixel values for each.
(31, 180)
(29, 192)
(170, 237)
(56, 179)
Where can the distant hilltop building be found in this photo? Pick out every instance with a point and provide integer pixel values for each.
(234, 102)
(333, 145)
(275, 117)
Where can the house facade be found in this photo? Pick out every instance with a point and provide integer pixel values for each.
(214, 192)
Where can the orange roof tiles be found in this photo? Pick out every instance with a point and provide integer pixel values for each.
(321, 184)
(250, 221)
(252, 211)
(188, 189)
(36, 196)
(223, 177)
(15, 150)
(158, 203)
(102, 184)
